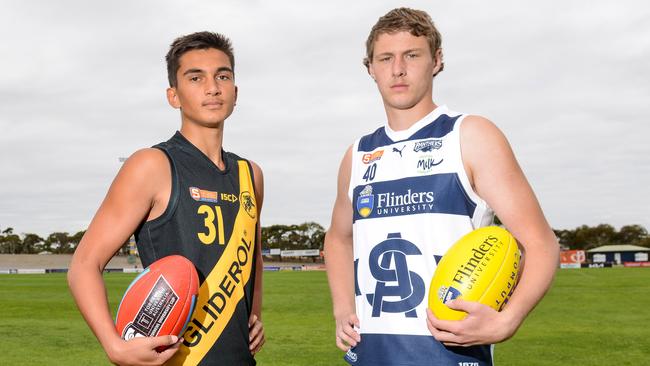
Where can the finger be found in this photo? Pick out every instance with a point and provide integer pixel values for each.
(252, 320)
(348, 336)
(352, 328)
(254, 330)
(162, 341)
(463, 305)
(256, 344)
(255, 337)
(341, 345)
(169, 352)
(354, 320)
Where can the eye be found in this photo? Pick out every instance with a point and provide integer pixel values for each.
(384, 58)
(412, 55)
(195, 79)
(223, 77)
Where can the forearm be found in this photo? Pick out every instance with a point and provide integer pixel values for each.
(257, 296)
(540, 264)
(339, 262)
(87, 287)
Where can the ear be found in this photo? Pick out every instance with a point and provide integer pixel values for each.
(172, 98)
(371, 71)
(437, 61)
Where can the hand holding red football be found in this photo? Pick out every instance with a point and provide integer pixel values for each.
(141, 351)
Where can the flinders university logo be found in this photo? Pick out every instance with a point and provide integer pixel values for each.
(365, 201)
(398, 290)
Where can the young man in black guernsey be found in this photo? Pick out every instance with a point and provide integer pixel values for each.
(185, 196)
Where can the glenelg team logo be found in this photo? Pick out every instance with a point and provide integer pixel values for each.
(365, 201)
(248, 203)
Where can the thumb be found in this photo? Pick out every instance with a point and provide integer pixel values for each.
(354, 320)
(166, 340)
(461, 305)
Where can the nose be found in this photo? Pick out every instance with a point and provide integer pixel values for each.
(212, 88)
(399, 67)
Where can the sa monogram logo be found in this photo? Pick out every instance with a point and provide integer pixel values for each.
(248, 203)
(397, 281)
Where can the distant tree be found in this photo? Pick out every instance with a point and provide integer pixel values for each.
(75, 239)
(32, 243)
(10, 243)
(308, 235)
(631, 234)
(59, 243)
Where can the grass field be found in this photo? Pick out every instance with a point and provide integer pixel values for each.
(590, 317)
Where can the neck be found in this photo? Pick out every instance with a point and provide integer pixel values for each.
(207, 139)
(403, 119)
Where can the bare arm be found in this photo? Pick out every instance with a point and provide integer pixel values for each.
(128, 202)
(255, 322)
(339, 260)
(498, 179)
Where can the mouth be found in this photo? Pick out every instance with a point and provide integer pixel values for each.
(212, 104)
(399, 87)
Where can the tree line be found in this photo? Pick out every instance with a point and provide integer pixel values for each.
(310, 235)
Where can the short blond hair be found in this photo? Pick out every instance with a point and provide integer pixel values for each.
(416, 22)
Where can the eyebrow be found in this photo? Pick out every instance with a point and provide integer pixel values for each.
(200, 71)
(402, 52)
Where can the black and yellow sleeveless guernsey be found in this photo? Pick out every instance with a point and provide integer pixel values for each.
(211, 219)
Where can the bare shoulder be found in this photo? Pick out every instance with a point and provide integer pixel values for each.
(258, 180)
(484, 149)
(148, 159)
(478, 128)
(257, 171)
(147, 173)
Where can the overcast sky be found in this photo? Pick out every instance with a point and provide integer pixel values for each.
(83, 83)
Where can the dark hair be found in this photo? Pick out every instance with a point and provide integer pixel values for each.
(196, 41)
(416, 22)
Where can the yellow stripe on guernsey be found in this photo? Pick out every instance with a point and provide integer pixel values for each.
(224, 286)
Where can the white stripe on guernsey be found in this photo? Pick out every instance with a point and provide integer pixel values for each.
(405, 134)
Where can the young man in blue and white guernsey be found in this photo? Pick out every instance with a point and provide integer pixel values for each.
(406, 193)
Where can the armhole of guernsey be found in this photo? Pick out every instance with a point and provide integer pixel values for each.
(483, 214)
(353, 169)
(173, 197)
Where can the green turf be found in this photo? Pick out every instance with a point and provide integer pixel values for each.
(590, 317)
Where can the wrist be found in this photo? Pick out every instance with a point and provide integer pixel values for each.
(511, 320)
(113, 349)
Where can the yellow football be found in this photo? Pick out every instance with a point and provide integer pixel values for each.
(482, 266)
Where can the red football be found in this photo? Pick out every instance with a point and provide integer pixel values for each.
(160, 300)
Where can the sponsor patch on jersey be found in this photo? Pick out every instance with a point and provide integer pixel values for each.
(426, 163)
(248, 203)
(435, 193)
(370, 157)
(203, 195)
(365, 201)
(427, 145)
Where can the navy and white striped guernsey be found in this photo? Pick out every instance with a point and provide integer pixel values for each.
(412, 200)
